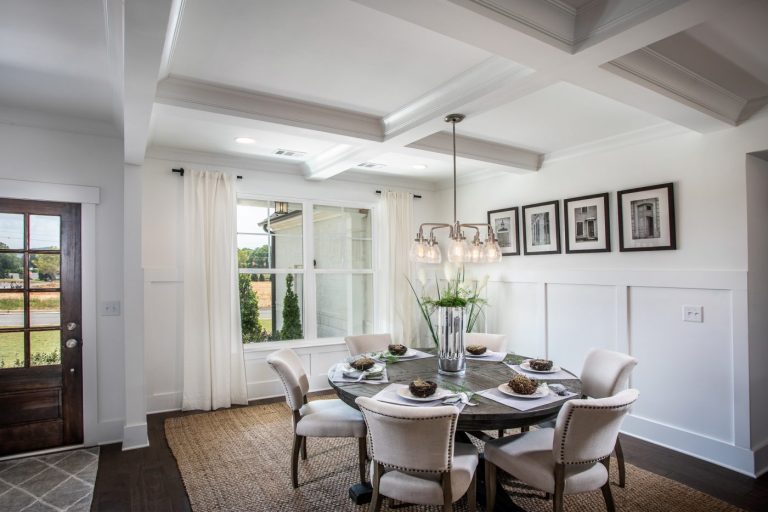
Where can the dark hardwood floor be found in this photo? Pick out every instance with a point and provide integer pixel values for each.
(147, 479)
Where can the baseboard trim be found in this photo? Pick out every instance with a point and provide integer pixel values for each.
(711, 450)
(761, 461)
(135, 436)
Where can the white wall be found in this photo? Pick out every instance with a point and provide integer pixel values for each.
(162, 244)
(35, 154)
(693, 379)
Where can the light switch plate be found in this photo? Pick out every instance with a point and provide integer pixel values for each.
(110, 308)
(693, 314)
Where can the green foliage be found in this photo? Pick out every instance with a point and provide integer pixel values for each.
(47, 266)
(249, 312)
(253, 258)
(43, 358)
(291, 313)
(9, 264)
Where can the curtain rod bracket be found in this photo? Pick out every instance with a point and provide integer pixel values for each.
(415, 196)
(180, 172)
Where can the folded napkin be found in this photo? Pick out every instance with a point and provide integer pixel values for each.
(489, 356)
(562, 374)
(336, 374)
(389, 395)
(522, 404)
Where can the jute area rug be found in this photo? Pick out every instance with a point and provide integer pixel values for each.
(239, 460)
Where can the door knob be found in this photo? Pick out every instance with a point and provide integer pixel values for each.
(71, 326)
(71, 343)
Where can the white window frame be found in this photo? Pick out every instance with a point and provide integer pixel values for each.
(309, 271)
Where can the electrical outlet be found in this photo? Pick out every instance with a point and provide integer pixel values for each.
(693, 314)
(110, 308)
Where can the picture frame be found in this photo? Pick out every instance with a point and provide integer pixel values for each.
(587, 224)
(647, 218)
(541, 228)
(505, 222)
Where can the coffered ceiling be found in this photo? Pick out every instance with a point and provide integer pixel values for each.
(359, 88)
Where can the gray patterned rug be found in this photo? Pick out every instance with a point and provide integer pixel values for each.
(59, 482)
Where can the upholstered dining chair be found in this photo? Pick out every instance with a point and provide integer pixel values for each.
(367, 343)
(569, 459)
(493, 342)
(320, 418)
(604, 374)
(414, 456)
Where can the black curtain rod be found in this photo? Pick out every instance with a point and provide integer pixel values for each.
(414, 195)
(180, 172)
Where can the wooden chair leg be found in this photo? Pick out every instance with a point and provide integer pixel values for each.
(447, 496)
(375, 505)
(490, 485)
(362, 453)
(295, 460)
(472, 494)
(525, 429)
(557, 501)
(501, 433)
(607, 496)
(620, 462)
(304, 448)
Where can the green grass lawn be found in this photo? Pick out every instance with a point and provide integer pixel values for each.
(12, 345)
(266, 324)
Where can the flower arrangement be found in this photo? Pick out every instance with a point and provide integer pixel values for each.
(456, 294)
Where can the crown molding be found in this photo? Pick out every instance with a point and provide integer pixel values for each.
(171, 37)
(113, 29)
(653, 70)
(220, 99)
(643, 135)
(480, 150)
(486, 77)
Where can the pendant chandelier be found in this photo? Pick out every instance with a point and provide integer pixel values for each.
(425, 249)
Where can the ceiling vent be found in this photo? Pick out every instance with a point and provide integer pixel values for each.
(289, 153)
(371, 165)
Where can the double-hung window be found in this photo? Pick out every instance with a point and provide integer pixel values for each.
(304, 278)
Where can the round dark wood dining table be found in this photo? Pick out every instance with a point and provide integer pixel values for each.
(479, 375)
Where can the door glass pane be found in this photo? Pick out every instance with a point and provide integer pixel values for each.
(11, 270)
(11, 349)
(11, 310)
(45, 348)
(344, 304)
(44, 232)
(44, 309)
(11, 231)
(44, 270)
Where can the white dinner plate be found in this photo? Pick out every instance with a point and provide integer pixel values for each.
(525, 366)
(439, 394)
(540, 392)
(487, 353)
(348, 371)
(408, 354)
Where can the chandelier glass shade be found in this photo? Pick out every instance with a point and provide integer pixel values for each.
(425, 249)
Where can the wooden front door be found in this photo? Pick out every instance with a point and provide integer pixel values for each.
(41, 384)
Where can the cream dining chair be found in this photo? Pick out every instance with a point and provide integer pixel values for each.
(493, 342)
(414, 456)
(569, 459)
(320, 418)
(367, 343)
(604, 374)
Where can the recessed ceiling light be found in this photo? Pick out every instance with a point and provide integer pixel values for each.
(244, 140)
(419, 167)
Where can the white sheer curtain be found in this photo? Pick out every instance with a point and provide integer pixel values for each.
(214, 367)
(396, 302)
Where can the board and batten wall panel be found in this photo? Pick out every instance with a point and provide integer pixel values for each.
(579, 317)
(689, 360)
(512, 309)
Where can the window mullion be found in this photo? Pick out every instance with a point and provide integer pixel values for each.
(310, 282)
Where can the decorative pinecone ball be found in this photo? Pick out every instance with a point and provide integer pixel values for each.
(362, 363)
(422, 388)
(541, 365)
(523, 385)
(397, 350)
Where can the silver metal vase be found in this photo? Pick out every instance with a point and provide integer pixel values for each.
(450, 351)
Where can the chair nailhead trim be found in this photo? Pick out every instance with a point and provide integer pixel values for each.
(568, 424)
(286, 389)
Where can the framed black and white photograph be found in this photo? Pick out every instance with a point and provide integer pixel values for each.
(587, 228)
(647, 218)
(504, 223)
(541, 228)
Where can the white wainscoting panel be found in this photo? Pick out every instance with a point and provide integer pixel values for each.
(579, 318)
(685, 374)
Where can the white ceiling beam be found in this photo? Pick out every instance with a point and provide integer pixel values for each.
(146, 22)
(481, 150)
(220, 99)
(113, 28)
